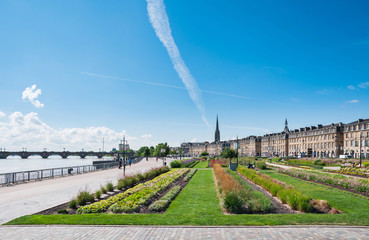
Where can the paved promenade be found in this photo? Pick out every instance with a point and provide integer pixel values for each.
(139, 233)
(32, 197)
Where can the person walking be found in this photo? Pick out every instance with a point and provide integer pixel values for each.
(130, 162)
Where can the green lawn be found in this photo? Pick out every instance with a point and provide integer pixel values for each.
(202, 164)
(197, 204)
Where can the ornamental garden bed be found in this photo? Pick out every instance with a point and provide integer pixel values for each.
(287, 194)
(143, 196)
(346, 183)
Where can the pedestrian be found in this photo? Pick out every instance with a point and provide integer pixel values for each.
(120, 164)
(156, 159)
(130, 162)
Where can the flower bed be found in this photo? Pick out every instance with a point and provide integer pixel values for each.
(352, 171)
(238, 197)
(139, 192)
(163, 203)
(189, 163)
(356, 184)
(149, 190)
(190, 175)
(218, 161)
(287, 194)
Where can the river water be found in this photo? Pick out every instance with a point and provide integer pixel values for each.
(17, 164)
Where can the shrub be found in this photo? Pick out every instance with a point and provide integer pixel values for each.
(98, 194)
(139, 177)
(366, 164)
(233, 203)
(73, 204)
(317, 161)
(83, 197)
(261, 165)
(63, 211)
(103, 190)
(164, 202)
(189, 175)
(175, 164)
(110, 187)
(159, 205)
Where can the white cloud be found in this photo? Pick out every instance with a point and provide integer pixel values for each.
(2, 115)
(19, 130)
(364, 85)
(353, 101)
(351, 87)
(146, 136)
(194, 140)
(160, 22)
(32, 93)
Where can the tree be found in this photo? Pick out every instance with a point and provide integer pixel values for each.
(146, 153)
(152, 151)
(229, 153)
(204, 154)
(158, 152)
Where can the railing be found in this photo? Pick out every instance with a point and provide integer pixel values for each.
(25, 176)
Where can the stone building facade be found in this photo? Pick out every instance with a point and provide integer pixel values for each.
(356, 134)
(317, 141)
(321, 141)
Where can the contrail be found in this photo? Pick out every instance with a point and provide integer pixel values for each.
(160, 22)
(159, 84)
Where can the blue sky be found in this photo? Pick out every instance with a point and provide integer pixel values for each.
(305, 61)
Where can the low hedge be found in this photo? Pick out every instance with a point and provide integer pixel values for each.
(287, 194)
(163, 203)
(189, 175)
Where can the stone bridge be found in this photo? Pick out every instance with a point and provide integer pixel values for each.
(64, 154)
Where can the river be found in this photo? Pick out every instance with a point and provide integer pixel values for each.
(17, 164)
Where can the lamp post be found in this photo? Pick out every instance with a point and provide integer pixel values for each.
(360, 147)
(237, 149)
(124, 155)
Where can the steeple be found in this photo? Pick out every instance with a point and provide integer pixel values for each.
(286, 130)
(217, 133)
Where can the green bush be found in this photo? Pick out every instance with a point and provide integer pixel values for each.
(63, 211)
(159, 206)
(109, 187)
(83, 197)
(164, 202)
(189, 175)
(139, 177)
(73, 204)
(175, 164)
(260, 165)
(366, 164)
(103, 190)
(98, 194)
(317, 161)
(233, 203)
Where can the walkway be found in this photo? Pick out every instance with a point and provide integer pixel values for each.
(32, 197)
(182, 232)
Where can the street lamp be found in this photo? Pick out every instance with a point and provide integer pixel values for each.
(360, 147)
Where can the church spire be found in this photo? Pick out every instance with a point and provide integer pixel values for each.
(217, 133)
(286, 129)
